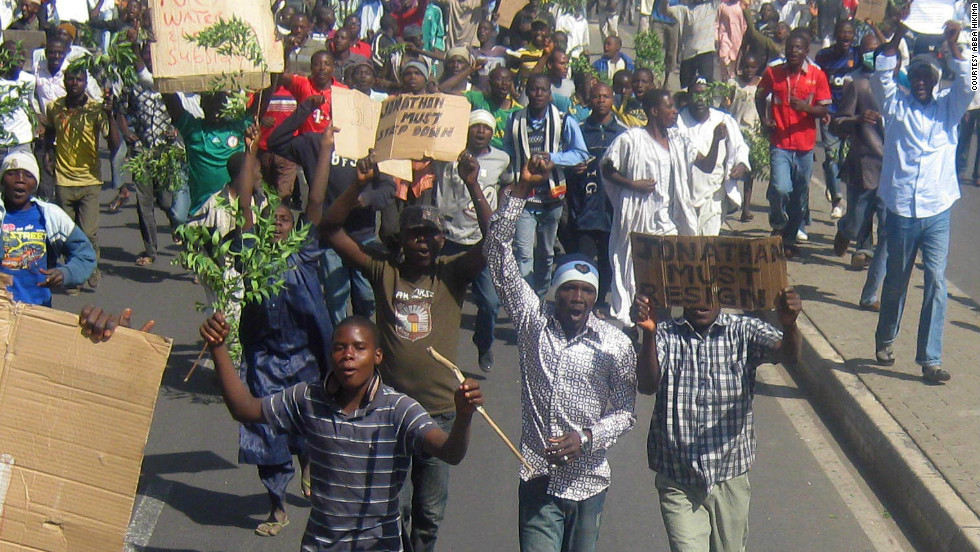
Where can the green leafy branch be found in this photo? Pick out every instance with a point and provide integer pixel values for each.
(11, 60)
(233, 38)
(115, 65)
(581, 64)
(13, 98)
(649, 51)
(163, 166)
(252, 273)
(759, 151)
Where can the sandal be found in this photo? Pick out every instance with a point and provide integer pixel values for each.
(145, 260)
(746, 217)
(121, 199)
(271, 528)
(307, 486)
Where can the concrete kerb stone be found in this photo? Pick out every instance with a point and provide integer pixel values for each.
(939, 518)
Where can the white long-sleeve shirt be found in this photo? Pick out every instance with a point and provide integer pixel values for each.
(918, 173)
(734, 150)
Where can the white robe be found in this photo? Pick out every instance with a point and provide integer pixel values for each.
(708, 190)
(665, 211)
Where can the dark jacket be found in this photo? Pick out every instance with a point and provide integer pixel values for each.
(862, 167)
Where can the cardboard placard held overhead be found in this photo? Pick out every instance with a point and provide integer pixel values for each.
(871, 9)
(930, 16)
(29, 41)
(356, 115)
(709, 271)
(507, 9)
(429, 125)
(74, 419)
(181, 66)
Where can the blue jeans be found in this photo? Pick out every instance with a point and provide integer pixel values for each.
(534, 243)
(424, 496)
(487, 302)
(550, 524)
(876, 272)
(341, 282)
(862, 208)
(832, 146)
(116, 165)
(789, 191)
(905, 238)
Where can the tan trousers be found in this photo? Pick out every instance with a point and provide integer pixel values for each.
(718, 522)
(82, 205)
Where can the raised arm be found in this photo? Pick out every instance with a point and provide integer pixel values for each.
(332, 227)
(706, 162)
(241, 404)
(451, 447)
(449, 85)
(321, 177)
(648, 372)
(469, 169)
(245, 183)
(283, 134)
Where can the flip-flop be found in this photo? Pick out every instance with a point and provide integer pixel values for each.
(307, 486)
(116, 204)
(271, 528)
(145, 260)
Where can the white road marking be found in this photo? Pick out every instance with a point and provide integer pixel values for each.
(869, 513)
(148, 508)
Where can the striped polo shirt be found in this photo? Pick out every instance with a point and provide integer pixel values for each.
(358, 462)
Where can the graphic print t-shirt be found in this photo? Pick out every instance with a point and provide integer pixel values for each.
(25, 254)
(415, 315)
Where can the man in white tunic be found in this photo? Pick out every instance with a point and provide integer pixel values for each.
(709, 189)
(647, 175)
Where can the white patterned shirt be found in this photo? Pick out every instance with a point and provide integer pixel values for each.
(567, 384)
(701, 433)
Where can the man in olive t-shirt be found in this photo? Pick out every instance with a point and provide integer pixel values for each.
(419, 298)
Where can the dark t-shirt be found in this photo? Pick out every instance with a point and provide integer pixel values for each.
(413, 316)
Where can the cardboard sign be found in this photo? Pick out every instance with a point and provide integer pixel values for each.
(930, 16)
(871, 9)
(180, 66)
(709, 271)
(507, 9)
(29, 41)
(74, 419)
(429, 125)
(356, 115)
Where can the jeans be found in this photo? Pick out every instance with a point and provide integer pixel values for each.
(424, 496)
(832, 148)
(789, 191)
(487, 302)
(534, 243)
(905, 238)
(341, 282)
(173, 204)
(876, 272)
(857, 224)
(116, 161)
(547, 523)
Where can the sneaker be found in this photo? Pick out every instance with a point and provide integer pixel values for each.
(841, 243)
(934, 374)
(837, 212)
(885, 355)
(801, 235)
(486, 361)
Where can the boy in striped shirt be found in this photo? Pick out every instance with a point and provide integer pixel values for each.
(362, 435)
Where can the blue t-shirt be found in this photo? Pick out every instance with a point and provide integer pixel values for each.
(25, 254)
(837, 69)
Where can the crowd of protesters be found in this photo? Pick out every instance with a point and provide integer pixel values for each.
(568, 151)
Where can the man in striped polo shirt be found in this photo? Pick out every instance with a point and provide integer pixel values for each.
(362, 436)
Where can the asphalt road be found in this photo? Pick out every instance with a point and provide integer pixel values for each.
(194, 496)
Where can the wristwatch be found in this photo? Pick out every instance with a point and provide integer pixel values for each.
(583, 438)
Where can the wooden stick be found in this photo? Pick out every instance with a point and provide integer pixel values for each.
(196, 362)
(459, 376)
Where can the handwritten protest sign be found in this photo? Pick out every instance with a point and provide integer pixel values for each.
(703, 271)
(929, 16)
(181, 66)
(430, 125)
(871, 9)
(356, 115)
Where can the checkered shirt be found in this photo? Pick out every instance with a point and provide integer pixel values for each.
(701, 433)
(148, 117)
(567, 384)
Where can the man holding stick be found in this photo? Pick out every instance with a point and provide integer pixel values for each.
(578, 385)
(702, 443)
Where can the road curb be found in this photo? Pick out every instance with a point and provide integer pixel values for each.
(939, 519)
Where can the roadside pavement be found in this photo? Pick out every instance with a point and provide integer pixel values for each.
(918, 444)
